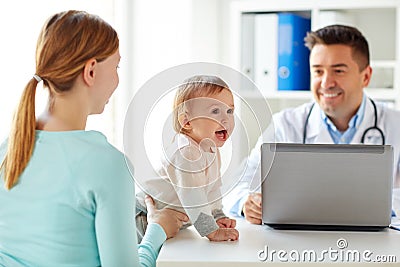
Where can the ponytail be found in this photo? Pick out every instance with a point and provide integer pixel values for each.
(22, 137)
(66, 42)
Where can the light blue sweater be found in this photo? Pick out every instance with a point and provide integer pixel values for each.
(73, 206)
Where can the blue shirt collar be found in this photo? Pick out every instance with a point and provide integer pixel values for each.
(347, 136)
(354, 122)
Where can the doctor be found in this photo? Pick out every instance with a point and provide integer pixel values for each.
(342, 113)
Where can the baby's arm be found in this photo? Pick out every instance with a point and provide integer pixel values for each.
(226, 223)
(224, 234)
(222, 220)
(207, 226)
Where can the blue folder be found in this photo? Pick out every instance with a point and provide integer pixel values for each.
(293, 56)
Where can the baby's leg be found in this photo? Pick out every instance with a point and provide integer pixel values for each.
(140, 216)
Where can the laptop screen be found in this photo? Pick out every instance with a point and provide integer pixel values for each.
(326, 185)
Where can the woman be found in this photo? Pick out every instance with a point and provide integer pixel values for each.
(67, 196)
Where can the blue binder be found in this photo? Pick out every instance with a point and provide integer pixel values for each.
(293, 56)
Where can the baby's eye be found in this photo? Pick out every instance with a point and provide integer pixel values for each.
(215, 111)
(230, 111)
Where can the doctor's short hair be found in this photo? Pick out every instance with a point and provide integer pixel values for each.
(194, 87)
(344, 35)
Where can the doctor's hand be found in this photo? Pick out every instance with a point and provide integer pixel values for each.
(170, 220)
(252, 208)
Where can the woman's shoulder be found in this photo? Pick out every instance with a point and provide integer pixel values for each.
(95, 157)
(75, 140)
(89, 147)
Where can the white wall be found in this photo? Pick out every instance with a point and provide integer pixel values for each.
(169, 33)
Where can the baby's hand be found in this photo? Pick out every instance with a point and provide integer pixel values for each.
(224, 234)
(226, 223)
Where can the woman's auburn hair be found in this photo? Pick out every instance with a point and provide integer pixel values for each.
(67, 41)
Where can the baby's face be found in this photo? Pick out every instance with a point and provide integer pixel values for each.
(211, 118)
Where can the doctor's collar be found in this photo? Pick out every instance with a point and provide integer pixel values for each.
(354, 122)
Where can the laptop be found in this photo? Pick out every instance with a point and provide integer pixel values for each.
(326, 186)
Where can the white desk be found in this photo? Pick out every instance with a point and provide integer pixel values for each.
(189, 249)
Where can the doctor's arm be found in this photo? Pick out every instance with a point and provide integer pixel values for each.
(245, 198)
(248, 175)
(287, 127)
(250, 204)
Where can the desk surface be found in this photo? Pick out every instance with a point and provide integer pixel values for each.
(259, 244)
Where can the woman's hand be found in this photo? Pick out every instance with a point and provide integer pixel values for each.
(170, 220)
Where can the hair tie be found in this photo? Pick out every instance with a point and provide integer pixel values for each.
(37, 78)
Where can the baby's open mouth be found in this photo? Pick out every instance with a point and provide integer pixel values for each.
(222, 135)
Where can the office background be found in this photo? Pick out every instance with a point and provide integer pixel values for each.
(156, 35)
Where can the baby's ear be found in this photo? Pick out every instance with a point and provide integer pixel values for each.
(184, 121)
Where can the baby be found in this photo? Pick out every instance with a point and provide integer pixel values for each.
(190, 178)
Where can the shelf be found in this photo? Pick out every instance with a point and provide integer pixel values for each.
(383, 64)
(376, 93)
(383, 54)
(378, 20)
(356, 4)
(278, 94)
(381, 94)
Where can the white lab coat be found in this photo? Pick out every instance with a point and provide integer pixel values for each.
(288, 127)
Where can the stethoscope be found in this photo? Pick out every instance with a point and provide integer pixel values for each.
(372, 128)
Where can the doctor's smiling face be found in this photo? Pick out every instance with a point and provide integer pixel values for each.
(337, 82)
